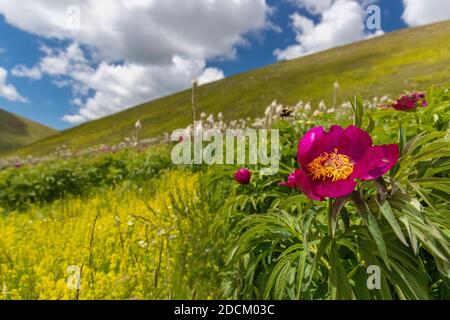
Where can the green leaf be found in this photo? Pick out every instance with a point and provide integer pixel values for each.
(386, 211)
(377, 236)
(411, 235)
(401, 138)
(336, 209)
(358, 110)
(320, 252)
(338, 276)
(372, 226)
(362, 292)
(371, 125)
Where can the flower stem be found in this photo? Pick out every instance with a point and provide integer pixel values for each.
(329, 213)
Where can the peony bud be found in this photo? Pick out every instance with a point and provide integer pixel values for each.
(243, 176)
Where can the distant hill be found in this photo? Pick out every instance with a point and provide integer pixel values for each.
(408, 59)
(16, 131)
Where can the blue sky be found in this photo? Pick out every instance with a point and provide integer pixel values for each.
(64, 73)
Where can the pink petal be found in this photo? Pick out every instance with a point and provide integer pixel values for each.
(335, 189)
(290, 183)
(306, 142)
(376, 162)
(316, 142)
(354, 143)
(306, 185)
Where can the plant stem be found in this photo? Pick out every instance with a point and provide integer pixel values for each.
(194, 101)
(329, 213)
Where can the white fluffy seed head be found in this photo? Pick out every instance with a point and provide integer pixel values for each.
(336, 85)
(138, 124)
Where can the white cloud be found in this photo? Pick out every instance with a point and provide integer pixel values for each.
(314, 6)
(131, 84)
(319, 6)
(138, 49)
(56, 62)
(210, 75)
(8, 91)
(110, 87)
(420, 12)
(23, 71)
(341, 23)
(144, 31)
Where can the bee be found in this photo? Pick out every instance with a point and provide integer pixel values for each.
(286, 113)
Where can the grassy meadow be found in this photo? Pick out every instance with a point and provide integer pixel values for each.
(385, 65)
(16, 132)
(131, 225)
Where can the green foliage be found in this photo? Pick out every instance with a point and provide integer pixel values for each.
(264, 241)
(49, 181)
(277, 244)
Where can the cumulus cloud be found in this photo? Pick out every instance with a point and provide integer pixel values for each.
(109, 87)
(341, 22)
(23, 71)
(137, 49)
(419, 12)
(314, 6)
(210, 75)
(55, 62)
(144, 31)
(116, 86)
(8, 91)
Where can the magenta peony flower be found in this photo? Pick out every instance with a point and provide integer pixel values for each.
(290, 181)
(243, 176)
(410, 102)
(331, 161)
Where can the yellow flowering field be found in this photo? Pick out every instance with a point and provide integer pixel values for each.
(123, 243)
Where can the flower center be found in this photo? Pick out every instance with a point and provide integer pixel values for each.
(333, 166)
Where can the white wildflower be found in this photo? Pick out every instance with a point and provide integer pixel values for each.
(384, 98)
(336, 85)
(138, 125)
(317, 113)
(279, 109)
(322, 106)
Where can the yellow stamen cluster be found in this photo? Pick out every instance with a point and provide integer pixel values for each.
(333, 166)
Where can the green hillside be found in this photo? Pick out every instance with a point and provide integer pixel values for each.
(410, 59)
(16, 131)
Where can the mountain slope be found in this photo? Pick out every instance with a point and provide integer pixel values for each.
(409, 59)
(16, 131)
